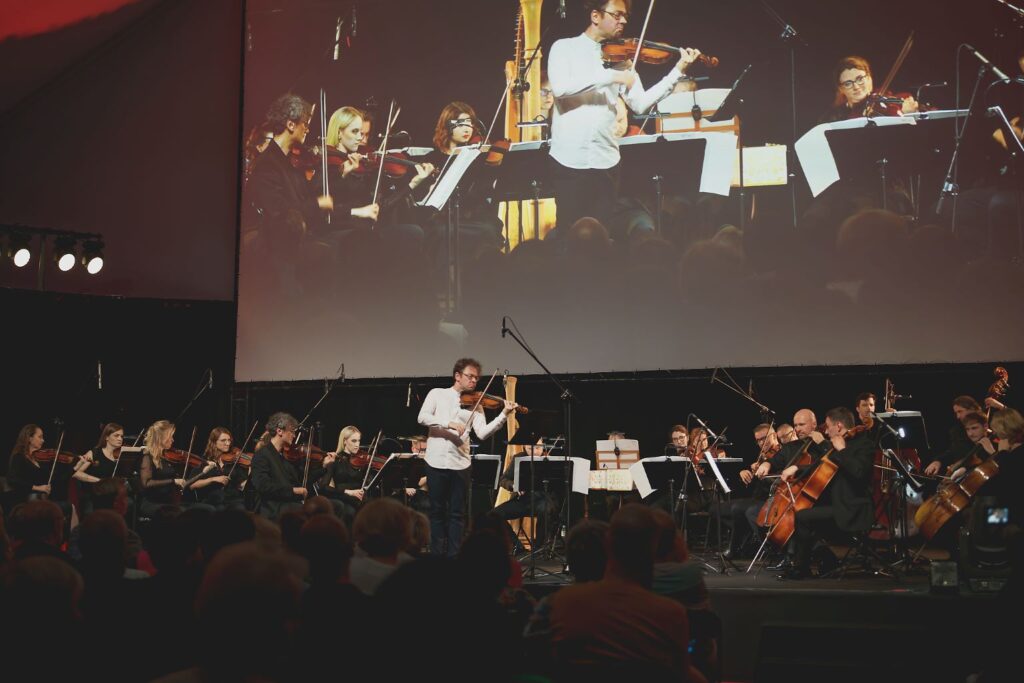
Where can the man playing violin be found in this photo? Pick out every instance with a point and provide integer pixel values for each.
(584, 150)
(742, 512)
(448, 457)
(854, 85)
(275, 482)
(846, 501)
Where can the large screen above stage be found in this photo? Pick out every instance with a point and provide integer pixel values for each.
(685, 286)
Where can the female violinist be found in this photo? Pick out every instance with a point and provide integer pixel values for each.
(26, 475)
(855, 91)
(213, 484)
(98, 463)
(342, 480)
(458, 126)
(358, 180)
(1008, 425)
(162, 480)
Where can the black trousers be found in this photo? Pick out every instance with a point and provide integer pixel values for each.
(545, 506)
(811, 524)
(447, 490)
(741, 517)
(582, 192)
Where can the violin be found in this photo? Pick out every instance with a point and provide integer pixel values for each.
(494, 152)
(229, 458)
(617, 51)
(489, 401)
(295, 453)
(885, 103)
(363, 458)
(396, 164)
(178, 457)
(48, 454)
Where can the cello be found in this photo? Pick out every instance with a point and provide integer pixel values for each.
(807, 492)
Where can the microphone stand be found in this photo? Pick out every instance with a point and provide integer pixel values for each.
(339, 378)
(790, 37)
(206, 382)
(567, 398)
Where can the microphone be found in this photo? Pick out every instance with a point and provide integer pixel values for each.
(885, 424)
(408, 396)
(696, 112)
(714, 374)
(352, 27)
(248, 36)
(940, 84)
(504, 329)
(706, 428)
(209, 384)
(99, 374)
(561, 9)
(992, 67)
(337, 39)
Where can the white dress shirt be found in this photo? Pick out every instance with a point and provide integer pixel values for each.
(585, 96)
(441, 407)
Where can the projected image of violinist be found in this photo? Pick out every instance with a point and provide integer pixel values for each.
(855, 92)
(584, 150)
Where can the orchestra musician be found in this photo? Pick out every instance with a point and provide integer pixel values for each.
(959, 443)
(584, 151)
(26, 476)
(865, 410)
(785, 433)
(457, 126)
(98, 463)
(277, 485)
(448, 458)
(1008, 425)
(741, 513)
(345, 133)
(221, 484)
(161, 481)
(341, 481)
(846, 502)
(853, 86)
(520, 505)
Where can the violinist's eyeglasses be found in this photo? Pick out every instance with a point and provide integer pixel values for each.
(619, 16)
(455, 123)
(848, 85)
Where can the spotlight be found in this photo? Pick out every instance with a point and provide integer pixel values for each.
(64, 252)
(92, 256)
(18, 248)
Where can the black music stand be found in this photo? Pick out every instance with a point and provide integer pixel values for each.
(733, 106)
(533, 427)
(908, 149)
(676, 161)
(524, 175)
(666, 472)
(401, 471)
(551, 473)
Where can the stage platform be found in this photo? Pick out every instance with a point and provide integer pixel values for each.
(860, 627)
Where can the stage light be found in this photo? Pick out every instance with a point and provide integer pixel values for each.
(18, 248)
(64, 252)
(92, 256)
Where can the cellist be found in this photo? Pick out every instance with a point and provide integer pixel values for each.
(846, 501)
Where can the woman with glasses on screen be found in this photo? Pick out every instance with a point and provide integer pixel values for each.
(854, 89)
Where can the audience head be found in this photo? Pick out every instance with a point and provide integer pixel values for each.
(381, 528)
(104, 545)
(586, 550)
(671, 546)
(110, 494)
(327, 546)
(36, 522)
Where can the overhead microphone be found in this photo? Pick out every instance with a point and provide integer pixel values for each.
(352, 28)
(209, 384)
(561, 9)
(408, 396)
(992, 67)
(99, 374)
(504, 329)
(713, 375)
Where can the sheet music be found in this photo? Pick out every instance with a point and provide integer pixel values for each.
(719, 152)
(718, 474)
(611, 480)
(628, 453)
(643, 485)
(580, 471)
(451, 178)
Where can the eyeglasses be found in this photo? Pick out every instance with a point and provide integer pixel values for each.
(618, 16)
(848, 85)
(544, 92)
(469, 376)
(456, 123)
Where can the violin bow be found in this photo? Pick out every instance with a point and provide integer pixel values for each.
(118, 460)
(56, 455)
(373, 454)
(476, 406)
(323, 146)
(643, 34)
(239, 457)
(392, 118)
(892, 72)
(188, 453)
(305, 470)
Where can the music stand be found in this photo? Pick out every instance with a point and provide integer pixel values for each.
(524, 175)
(533, 427)
(401, 471)
(732, 107)
(663, 157)
(658, 474)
